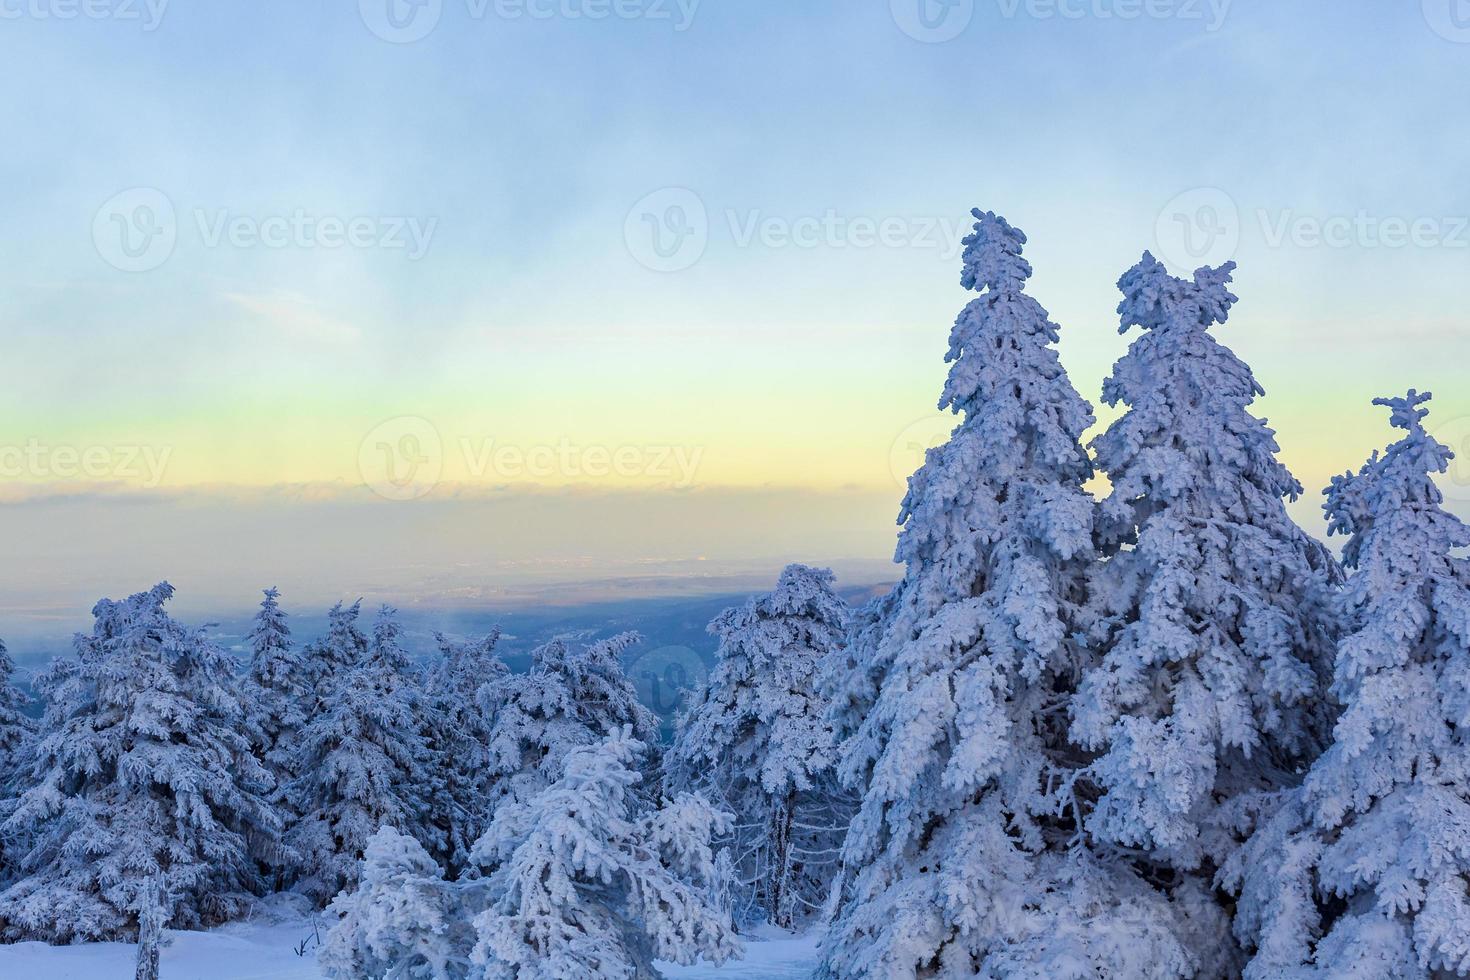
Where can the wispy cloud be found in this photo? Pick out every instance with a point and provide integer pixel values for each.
(295, 315)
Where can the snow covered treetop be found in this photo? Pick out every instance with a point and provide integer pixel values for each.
(1152, 298)
(1399, 480)
(800, 591)
(993, 255)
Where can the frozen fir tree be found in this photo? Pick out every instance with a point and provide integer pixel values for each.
(277, 684)
(1364, 871)
(586, 883)
(459, 731)
(1212, 624)
(361, 763)
(954, 691)
(16, 727)
(143, 794)
(756, 740)
(278, 694)
(16, 731)
(574, 695)
(345, 645)
(403, 921)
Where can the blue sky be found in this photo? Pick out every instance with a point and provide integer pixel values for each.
(499, 289)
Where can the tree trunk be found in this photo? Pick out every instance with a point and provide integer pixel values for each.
(150, 937)
(781, 843)
(148, 940)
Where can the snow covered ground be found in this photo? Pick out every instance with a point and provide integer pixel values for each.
(250, 951)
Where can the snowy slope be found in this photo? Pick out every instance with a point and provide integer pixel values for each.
(249, 951)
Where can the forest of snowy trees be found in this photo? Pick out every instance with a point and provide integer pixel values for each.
(1165, 733)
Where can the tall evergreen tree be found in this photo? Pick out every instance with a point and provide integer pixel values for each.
(459, 728)
(361, 763)
(16, 727)
(574, 695)
(1214, 628)
(16, 731)
(403, 920)
(1364, 871)
(589, 881)
(343, 646)
(278, 693)
(756, 741)
(954, 690)
(143, 792)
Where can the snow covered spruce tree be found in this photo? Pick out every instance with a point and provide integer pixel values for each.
(756, 741)
(403, 920)
(345, 645)
(1364, 870)
(361, 764)
(459, 729)
(278, 695)
(16, 727)
(143, 794)
(573, 695)
(16, 731)
(1212, 605)
(278, 689)
(953, 692)
(587, 882)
